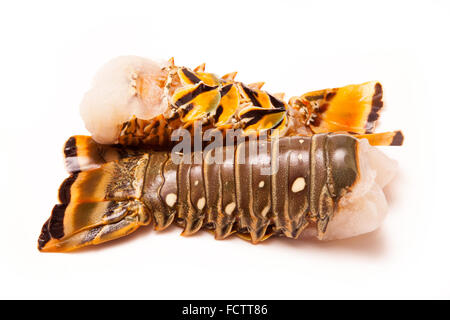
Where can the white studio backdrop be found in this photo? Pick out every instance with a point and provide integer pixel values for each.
(50, 52)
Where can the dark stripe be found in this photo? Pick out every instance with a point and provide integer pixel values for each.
(44, 237)
(175, 115)
(257, 115)
(316, 122)
(398, 139)
(70, 148)
(253, 121)
(225, 90)
(252, 95)
(330, 96)
(56, 225)
(373, 116)
(276, 103)
(136, 123)
(219, 111)
(377, 103)
(262, 111)
(317, 97)
(191, 76)
(188, 108)
(64, 189)
(192, 94)
(323, 107)
(71, 151)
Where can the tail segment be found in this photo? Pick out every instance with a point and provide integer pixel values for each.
(97, 205)
(353, 108)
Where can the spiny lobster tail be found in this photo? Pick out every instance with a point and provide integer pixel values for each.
(353, 108)
(155, 100)
(97, 205)
(296, 183)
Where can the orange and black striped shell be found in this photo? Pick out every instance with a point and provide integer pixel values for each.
(214, 102)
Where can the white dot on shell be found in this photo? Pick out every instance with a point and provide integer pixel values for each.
(201, 203)
(171, 198)
(298, 185)
(230, 208)
(196, 183)
(261, 184)
(300, 157)
(301, 141)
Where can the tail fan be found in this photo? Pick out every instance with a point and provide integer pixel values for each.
(353, 108)
(82, 153)
(394, 138)
(96, 206)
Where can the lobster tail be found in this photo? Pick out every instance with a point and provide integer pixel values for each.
(97, 205)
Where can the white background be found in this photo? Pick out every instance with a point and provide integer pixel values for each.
(51, 50)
